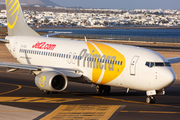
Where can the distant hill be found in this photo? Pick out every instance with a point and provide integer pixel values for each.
(35, 2)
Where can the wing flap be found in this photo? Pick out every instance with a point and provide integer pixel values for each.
(174, 60)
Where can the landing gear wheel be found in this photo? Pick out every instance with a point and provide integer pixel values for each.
(103, 88)
(46, 92)
(107, 89)
(150, 99)
(99, 88)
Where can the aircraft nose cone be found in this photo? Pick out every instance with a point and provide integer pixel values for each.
(168, 77)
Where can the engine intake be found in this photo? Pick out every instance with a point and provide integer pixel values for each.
(51, 81)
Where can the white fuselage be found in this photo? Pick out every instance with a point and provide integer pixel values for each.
(103, 63)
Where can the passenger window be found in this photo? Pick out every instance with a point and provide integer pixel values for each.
(106, 61)
(103, 61)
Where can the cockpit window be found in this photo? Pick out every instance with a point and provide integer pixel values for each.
(152, 64)
(158, 64)
(167, 64)
(149, 64)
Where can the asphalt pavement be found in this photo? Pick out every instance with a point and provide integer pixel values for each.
(20, 98)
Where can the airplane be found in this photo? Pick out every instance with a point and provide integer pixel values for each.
(56, 61)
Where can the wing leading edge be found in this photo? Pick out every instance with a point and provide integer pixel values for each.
(73, 73)
(174, 60)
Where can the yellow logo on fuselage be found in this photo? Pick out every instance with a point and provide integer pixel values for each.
(13, 7)
(41, 81)
(106, 62)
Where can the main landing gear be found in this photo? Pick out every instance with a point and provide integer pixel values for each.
(103, 88)
(150, 99)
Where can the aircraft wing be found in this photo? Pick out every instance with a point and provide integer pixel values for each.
(174, 60)
(11, 67)
(56, 33)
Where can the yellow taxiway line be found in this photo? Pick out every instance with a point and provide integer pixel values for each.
(19, 87)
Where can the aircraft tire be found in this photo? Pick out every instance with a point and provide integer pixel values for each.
(99, 88)
(150, 100)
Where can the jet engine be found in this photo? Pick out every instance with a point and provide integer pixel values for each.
(51, 81)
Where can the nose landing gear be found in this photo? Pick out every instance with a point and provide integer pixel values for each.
(150, 96)
(150, 99)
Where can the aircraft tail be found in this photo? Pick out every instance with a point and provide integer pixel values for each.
(17, 26)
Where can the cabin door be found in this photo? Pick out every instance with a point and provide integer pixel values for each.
(133, 65)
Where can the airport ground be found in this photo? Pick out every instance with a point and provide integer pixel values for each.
(21, 99)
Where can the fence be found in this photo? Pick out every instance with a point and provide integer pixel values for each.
(123, 38)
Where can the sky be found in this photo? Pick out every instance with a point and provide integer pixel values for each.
(121, 4)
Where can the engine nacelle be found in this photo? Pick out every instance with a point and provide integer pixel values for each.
(51, 81)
